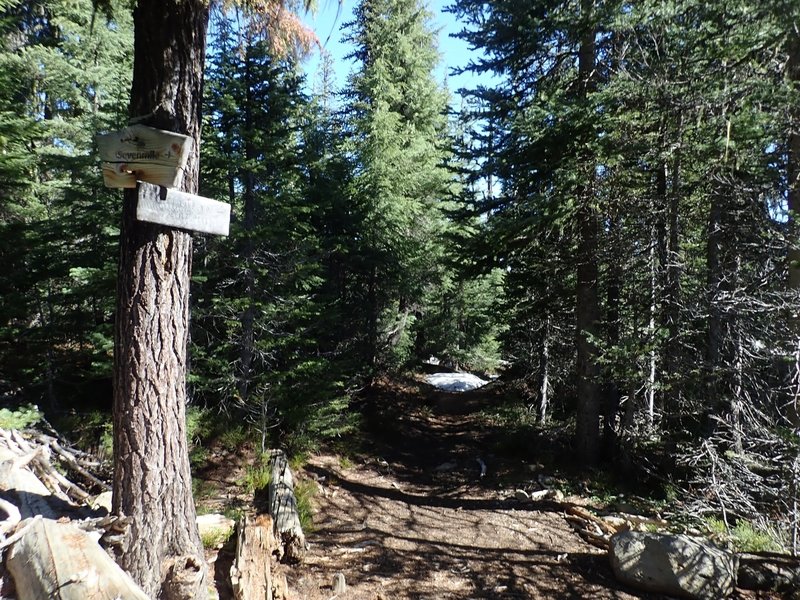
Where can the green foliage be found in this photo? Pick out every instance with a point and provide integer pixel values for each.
(462, 324)
(64, 76)
(20, 418)
(201, 489)
(234, 511)
(201, 423)
(215, 538)
(262, 349)
(401, 184)
(745, 536)
(304, 492)
(91, 431)
(234, 436)
(258, 475)
(653, 188)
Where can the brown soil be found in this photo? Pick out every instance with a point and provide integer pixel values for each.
(412, 517)
(409, 515)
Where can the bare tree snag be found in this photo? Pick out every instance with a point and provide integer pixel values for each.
(283, 508)
(793, 204)
(251, 576)
(587, 303)
(152, 482)
(58, 561)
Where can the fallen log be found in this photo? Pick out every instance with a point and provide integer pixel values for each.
(23, 489)
(769, 572)
(283, 509)
(582, 513)
(43, 554)
(58, 561)
(596, 539)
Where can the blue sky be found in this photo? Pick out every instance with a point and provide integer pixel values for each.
(455, 53)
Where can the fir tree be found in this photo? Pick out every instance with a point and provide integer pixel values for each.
(69, 75)
(401, 184)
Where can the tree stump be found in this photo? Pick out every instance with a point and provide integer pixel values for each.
(251, 573)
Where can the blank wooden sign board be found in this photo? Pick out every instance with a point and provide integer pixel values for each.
(184, 211)
(139, 153)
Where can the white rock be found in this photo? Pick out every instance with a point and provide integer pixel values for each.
(208, 524)
(455, 382)
(102, 501)
(339, 584)
(676, 565)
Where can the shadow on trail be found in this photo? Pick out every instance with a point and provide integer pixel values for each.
(525, 556)
(431, 437)
(437, 501)
(410, 527)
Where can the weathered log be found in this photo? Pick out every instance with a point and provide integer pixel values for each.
(251, 574)
(30, 481)
(25, 490)
(769, 572)
(283, 509)
(584, 514)
(58, 561)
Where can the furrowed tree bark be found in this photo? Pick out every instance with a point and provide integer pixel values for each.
(152, 482)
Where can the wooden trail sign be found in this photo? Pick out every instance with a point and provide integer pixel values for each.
(182, 210)
(139, 153)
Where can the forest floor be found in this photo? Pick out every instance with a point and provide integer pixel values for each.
(408, 513)
(413, 518)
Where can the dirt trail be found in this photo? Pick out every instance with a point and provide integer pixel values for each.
(413, 518)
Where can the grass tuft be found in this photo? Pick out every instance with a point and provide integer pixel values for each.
(215, 538)
(304, 492)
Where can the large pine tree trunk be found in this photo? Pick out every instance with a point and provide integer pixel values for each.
(587, 418)
(248, 317)
(152, 483)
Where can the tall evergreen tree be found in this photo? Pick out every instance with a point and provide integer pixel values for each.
(67, 79)
(547, 159)
(399, 142)
(261, 292)
(655, 170)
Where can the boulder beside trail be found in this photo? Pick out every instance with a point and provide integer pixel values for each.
(676, 565)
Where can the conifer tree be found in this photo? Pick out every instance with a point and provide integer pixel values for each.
(401, 184)
(66, 71)
(261, 299)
